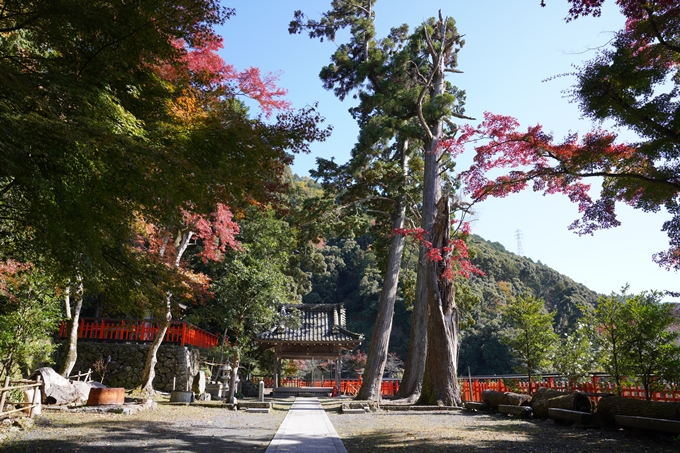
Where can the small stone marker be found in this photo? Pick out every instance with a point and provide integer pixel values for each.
(260, 393)
(198, 385)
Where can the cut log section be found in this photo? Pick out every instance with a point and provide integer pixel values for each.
(610, 406)
(494, 399)
(518, 411)
(544, 399)
(652, 424)
(568, 417)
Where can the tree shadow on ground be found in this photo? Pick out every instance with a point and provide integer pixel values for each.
(116, 436)
(441, 432)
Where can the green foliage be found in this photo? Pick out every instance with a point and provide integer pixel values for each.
(531, 337)
(249, 283)
(29, 315)
(576, 356)
(507, 274)
(352, 277)
(635, 338)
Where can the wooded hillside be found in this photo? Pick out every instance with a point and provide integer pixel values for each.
(352, 277)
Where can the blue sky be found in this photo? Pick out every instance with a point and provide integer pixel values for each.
(512, 48)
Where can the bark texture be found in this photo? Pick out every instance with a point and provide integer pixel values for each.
(440, 383)
(493, 398)
(575, 401)
(377, 354)
(414, 368)
(539, 400)
(610, 406)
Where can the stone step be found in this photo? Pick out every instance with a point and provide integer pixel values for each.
(258, 410)
(254, 404)
(409, 407)
(353, 411)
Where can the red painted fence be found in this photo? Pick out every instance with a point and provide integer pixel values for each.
(388, 388)
(140, 331)
(595, 388)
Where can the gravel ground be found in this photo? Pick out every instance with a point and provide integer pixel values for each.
(426, 432)
(210, 428)
(205, 428)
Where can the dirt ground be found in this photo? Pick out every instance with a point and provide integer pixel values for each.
(209, 427)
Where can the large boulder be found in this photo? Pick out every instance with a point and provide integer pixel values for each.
(59, 390)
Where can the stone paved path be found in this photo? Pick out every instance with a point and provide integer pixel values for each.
(306, 429)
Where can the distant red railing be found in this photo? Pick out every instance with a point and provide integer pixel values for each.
(595, 388)
(140, 331)
(351, 387)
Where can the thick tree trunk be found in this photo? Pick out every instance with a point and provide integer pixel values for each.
(440, 382)
(72, 353)
(412, 381)
(610, 406)
(377, 354)
(493, 398)
(574, 401)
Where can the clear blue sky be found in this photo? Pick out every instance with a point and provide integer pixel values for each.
(511, 48)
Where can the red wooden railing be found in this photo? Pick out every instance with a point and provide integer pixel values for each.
(140, 331)
(347, 386)
(595, 388)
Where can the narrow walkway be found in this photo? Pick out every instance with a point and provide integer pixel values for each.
(306, 429)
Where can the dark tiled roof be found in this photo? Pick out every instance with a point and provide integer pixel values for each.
(320, 323)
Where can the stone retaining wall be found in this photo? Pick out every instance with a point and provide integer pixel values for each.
(127, 364)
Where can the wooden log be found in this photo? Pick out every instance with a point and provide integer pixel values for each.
(654, 424)
(474, 406)
(575, 401)
(569, 416)
(494, 399)
(519, 411)
(539, 401)
(610, 406)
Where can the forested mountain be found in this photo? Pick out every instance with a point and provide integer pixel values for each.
(352, 277)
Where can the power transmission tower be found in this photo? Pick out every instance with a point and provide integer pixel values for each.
(518, 236)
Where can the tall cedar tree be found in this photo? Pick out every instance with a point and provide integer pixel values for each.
(376, 184)
(410, 78)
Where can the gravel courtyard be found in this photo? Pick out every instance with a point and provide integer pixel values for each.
(211, 428)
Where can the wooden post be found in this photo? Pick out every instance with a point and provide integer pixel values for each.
(37, 390)
(338, 374)
(4, 394)
(470, 381)
(184, 332)
(276, 370)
